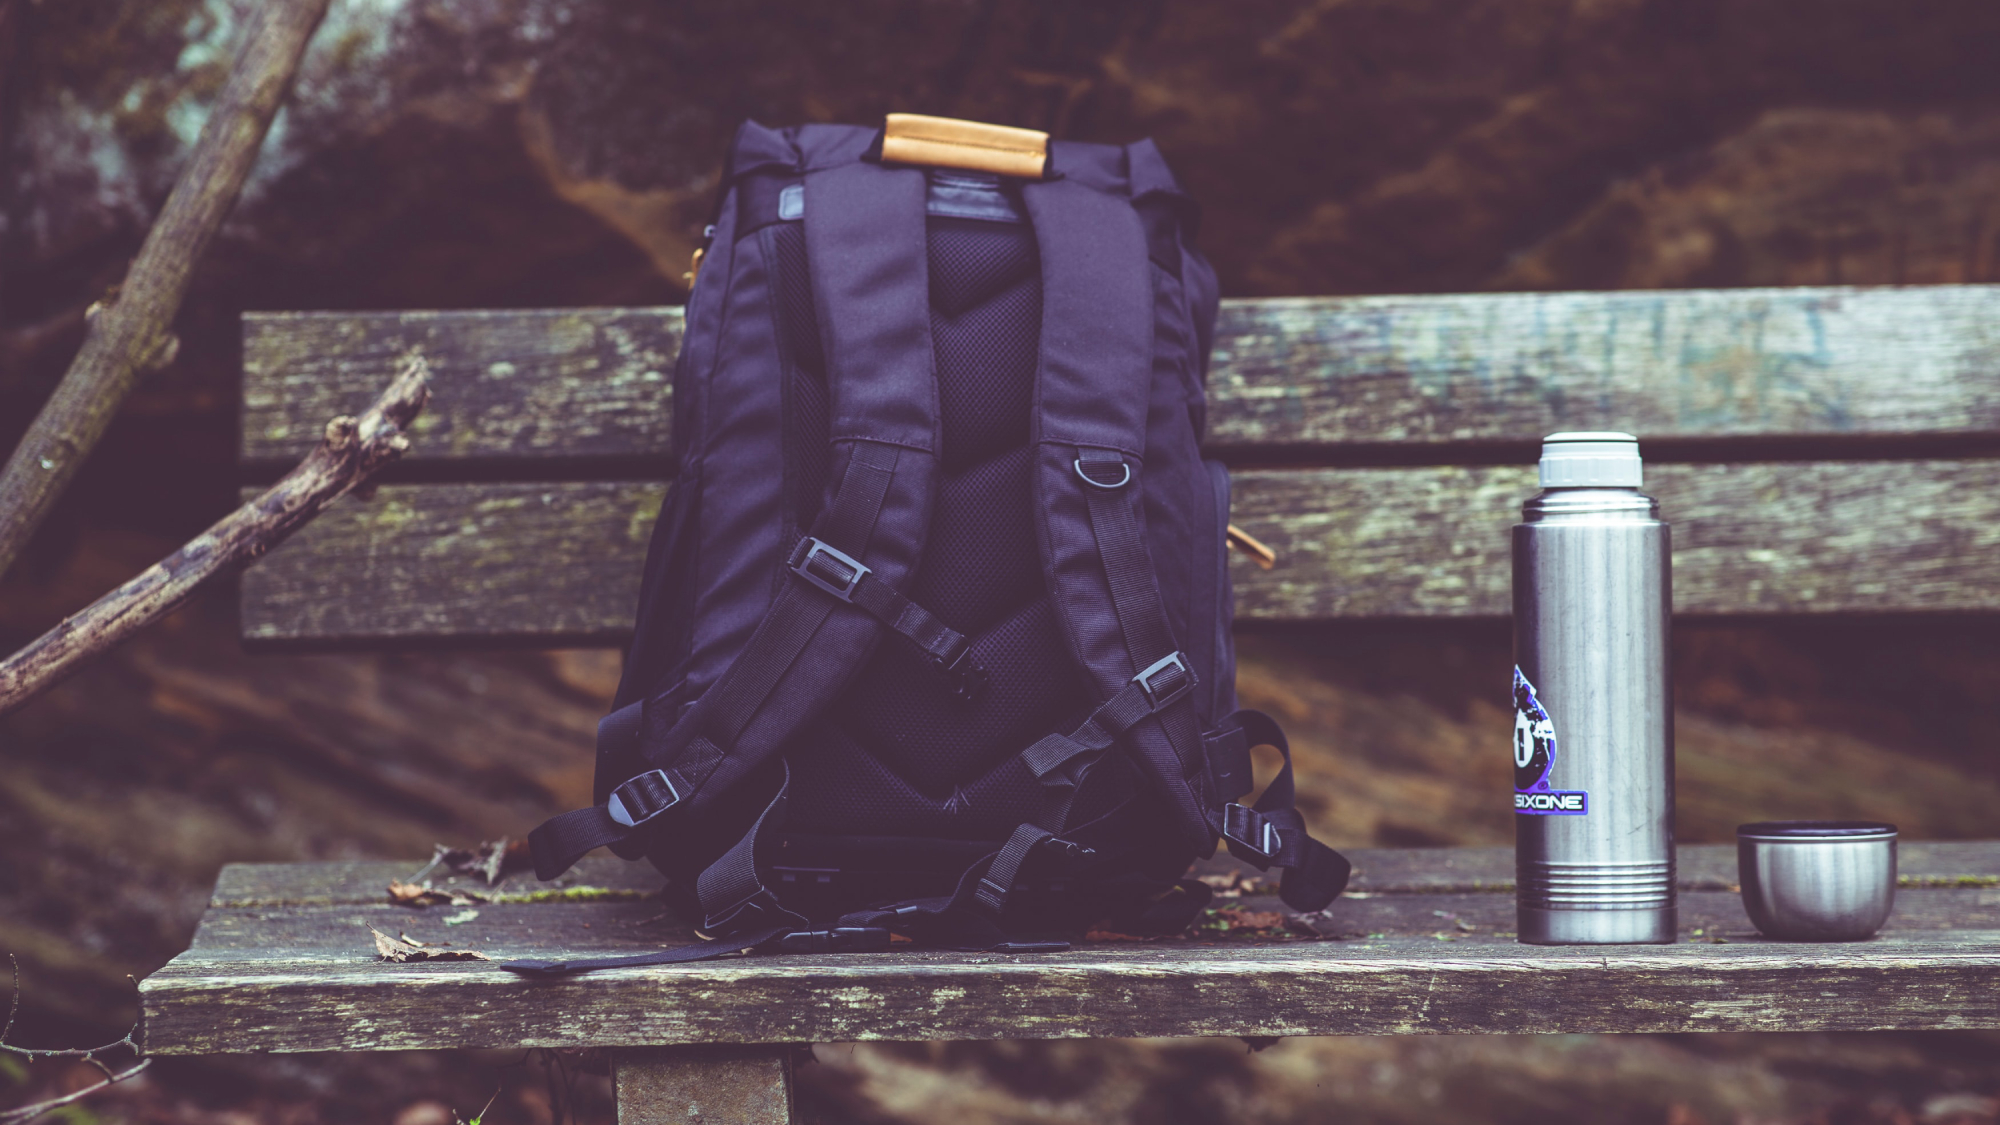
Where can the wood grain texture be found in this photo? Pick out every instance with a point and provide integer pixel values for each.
(1797, 537)
(1701, 867)
(284, 962)
(317, 999)
(535, 563)
(538, 383)
(1311, 371)
(483, 562)
(696, 1085)
(1680, 363)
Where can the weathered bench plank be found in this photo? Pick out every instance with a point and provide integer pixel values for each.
(602, 878)
(556, 562)
(1295, 372)
(266, 975)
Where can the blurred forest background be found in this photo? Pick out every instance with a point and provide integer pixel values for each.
(497, 153)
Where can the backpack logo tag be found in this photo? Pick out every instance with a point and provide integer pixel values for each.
(1535, 757)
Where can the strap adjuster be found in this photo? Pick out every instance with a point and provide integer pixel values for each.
(642, 798)
(840, 939)
(1252, 831)
(1157, 685)
(828, 567)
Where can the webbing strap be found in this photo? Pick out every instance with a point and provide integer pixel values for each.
(1273, 833)
(843, 577)
(697, 951)
(1106, 477)
(784, 633)
(797, 614)
(1060, 763)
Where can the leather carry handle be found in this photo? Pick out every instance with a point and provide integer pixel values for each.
(946, 142)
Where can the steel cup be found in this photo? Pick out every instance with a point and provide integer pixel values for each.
(1817, 880)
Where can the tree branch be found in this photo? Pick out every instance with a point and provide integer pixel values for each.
(351, 452)
(129, 334)
(30, 1112)
(88, 1054)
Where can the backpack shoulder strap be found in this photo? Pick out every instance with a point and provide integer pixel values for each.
(867, 252)
(1093, 384)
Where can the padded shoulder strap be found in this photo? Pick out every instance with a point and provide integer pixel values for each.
(1092, 387)
(867, 252)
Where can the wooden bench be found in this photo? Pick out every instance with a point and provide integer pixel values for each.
(1381, 445)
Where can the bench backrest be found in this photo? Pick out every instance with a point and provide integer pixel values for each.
(1817, 450)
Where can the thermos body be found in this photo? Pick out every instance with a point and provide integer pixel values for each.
(1593, 740)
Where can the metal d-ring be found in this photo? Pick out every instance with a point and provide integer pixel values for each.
(1125, 480)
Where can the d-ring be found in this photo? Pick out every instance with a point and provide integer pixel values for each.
(1125, 480)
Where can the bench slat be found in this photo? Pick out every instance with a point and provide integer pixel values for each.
(560, 562)
(284, 962)
(1704, 867)
(1296, 372)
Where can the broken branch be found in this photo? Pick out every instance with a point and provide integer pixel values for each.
(21, 1114)
(130, 334)
(350, 453)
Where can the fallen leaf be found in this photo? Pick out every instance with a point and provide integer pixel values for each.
(1252, 919)
(423, 894)
(416, 894)
(401, 950)
(1227, 885)
(465, 916)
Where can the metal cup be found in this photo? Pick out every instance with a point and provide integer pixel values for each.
(1817, 880)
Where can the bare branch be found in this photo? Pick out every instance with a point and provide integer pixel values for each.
(351, 452)
(87, 1054)
(130, 334)
(30, 1112)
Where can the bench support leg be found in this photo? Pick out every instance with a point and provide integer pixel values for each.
(703, 1085)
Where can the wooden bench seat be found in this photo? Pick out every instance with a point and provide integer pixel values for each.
(1819, 451)
(1423, 943)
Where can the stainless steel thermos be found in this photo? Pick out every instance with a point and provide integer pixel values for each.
(1593, 720)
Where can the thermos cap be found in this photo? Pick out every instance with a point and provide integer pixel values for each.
(1591, 460)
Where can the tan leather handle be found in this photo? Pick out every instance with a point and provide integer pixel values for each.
(946, 142)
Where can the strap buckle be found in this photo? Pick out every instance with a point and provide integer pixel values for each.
(1163, 693)
(840, 939)
(642, 798)
(828, 567)
(1252, 831)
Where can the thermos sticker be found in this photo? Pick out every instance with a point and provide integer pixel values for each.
(1535, 756)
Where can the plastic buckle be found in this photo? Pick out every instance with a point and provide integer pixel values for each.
(1251, 830)
(1159, 668)
(812, 551)
(642, 798)
(841, 939)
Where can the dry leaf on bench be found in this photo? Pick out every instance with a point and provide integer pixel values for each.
(1251, 919)
(423, 894)
(401, 949)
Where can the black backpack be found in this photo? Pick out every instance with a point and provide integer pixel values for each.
(934, 637)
